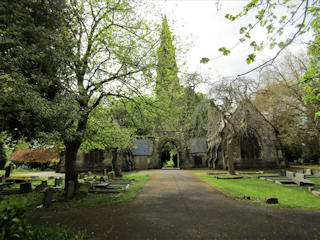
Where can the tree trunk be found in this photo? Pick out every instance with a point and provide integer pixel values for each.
(115, 166)
(230, 157)
(72, 148)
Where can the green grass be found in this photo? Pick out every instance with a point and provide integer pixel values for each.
(288, 196)
(2, 172)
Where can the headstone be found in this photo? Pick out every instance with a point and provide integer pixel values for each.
(299, 170)
(111, 175)
(102, 179)
(57, 182)
(8, 171)
(316, 173)
(300, 176)
(82, 175)
(105, 172)
(271, 200)
(70, 190)
(89, 173)
(308, 172)
(48, 197)
(25, 187)
(44, 183)
(289, 174)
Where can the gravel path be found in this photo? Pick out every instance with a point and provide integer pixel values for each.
(178, 205)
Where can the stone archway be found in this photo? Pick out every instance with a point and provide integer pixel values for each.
(160, 147)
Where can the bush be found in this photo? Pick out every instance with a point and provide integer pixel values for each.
(13, 221)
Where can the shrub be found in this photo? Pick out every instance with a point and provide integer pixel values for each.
(13, 221)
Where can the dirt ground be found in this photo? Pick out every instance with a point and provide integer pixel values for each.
(176, 204)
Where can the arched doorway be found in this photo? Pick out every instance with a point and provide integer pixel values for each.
(169, 154)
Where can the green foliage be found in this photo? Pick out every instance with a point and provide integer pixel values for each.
(171, 149)
(31, 63)
(13, 221)
(312, 77)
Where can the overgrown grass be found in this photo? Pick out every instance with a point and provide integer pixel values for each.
(288, 196)
(45, 232)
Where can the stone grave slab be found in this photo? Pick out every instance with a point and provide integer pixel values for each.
(301, 180)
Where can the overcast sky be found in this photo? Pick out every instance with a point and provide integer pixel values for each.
(202, 24)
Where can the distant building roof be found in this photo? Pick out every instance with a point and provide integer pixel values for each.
(198, 145)
(143, 147)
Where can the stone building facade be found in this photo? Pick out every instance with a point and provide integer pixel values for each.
(253, 141)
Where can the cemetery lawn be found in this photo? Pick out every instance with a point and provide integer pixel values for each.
(288, 196)
(85, 199)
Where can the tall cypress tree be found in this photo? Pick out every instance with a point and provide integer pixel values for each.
(167, 70)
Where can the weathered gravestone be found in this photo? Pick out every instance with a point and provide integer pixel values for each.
(105, 172)
(70, 190)
(301, 180)
(8, 171)
(308, 172)
(299, 170)
(47, 200)
(25, 187)
(44, 183)
(57, 182)
(290, 175)
(89, 173)
(111, 175)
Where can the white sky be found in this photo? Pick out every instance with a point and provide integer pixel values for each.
(200, 23)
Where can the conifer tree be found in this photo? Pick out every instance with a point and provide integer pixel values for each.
(167, 70)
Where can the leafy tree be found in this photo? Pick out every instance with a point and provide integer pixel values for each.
(281, 100)
(3, 156)
(30, 62)
(107, 53)
(311, 78)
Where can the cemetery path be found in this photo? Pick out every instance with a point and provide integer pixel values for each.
(178, 205)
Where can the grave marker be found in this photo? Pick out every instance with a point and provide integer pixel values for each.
(111, 175)
(290, 174)
(57, 182)
(308, 172)
(8, 171)
(25, 187)
(48, 197)
(105, 172)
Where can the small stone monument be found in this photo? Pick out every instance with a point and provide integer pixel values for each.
(48, 197)
(105, 172)
(44, 183)
(57, 182)
(8, 171)
(25, 187)
(111, 175)
(89, 173)
(70, 190)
